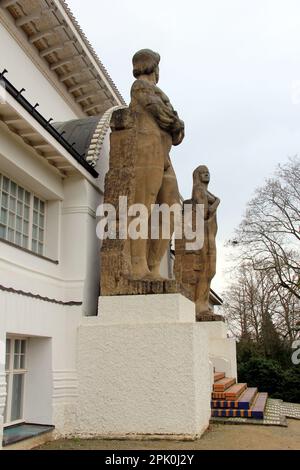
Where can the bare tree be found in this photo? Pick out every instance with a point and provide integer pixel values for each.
(270, 231)
(258, 309)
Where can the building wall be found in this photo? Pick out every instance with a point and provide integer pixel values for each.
(70, 230)
(22, 73)
(70, 275)
(51, 381)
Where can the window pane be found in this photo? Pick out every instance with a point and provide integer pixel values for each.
(27, 198)
(41, 235)
(16, 361)
(25, 242)
(11, 220)
(3, 216)
(35, 218)
(42, 207)
(13, 188)
(5, 184)
(4, 200)
(6, 418)
(26, 212)
(22, 361)
(42, 221)
(34, 246)
(18, 239)
(20, 193)
(11, 235)
(17, 346)
(20, 208)
(2, 231)
(40, 249)
(36, 204)
(25, 228)
(16, 403)
(7, 354)
(19, 224)
(35, 232)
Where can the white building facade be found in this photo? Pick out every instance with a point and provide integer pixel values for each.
(49, 190)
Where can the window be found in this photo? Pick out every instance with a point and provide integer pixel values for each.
(22, 216)
(15, 370)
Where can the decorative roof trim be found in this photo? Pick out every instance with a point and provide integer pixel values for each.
(17, 95)
(70, 14)
(11, 290)
(97, 140)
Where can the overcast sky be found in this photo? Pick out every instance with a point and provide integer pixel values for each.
(231, 69)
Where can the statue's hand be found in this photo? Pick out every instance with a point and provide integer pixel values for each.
(161, 113)
(178, 132)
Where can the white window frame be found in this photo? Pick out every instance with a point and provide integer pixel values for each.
(10, 373)
(29, 235)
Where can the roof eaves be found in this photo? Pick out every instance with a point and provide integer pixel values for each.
(17, 95)
(70, 14)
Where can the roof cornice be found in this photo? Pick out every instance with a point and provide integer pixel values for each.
(51, 36)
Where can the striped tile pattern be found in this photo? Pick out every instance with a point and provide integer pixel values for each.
(235, 400)
(223, 384)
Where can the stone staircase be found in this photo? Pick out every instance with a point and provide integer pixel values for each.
(236, 400)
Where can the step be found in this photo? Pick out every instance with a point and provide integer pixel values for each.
(244, 402)
(230, 413)
(255, 412)
(247, 398)
(218, 376)
(223, 384)
(233, 393)
(259, 406)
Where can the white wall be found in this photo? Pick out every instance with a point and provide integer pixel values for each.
(70, 235)
(51, 384)
(22, 73)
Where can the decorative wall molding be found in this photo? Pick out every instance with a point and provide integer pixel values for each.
(2, 393)
(65, 386)
(79, 210)
(99, 136)
(39, 297)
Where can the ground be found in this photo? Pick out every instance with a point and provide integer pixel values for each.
(218, 437)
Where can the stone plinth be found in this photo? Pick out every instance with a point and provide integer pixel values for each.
(222, 350)
(144, 369)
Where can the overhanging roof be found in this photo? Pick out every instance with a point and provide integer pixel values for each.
(24, 120)
(57, 40)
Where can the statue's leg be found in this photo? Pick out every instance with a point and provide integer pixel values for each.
(168, 194)
(148, 182)
(202, 296)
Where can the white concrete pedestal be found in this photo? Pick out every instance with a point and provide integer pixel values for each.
(143, 367)
(222, 350)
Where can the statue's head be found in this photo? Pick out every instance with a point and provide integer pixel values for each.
(145, 62)
(201, 175)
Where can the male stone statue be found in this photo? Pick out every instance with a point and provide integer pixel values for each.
(196, 269)
(140, 169)
(158, 127)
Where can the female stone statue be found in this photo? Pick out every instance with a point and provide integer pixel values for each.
(206, 257)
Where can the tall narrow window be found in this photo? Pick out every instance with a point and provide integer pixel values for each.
(22, 216)
(15, 369)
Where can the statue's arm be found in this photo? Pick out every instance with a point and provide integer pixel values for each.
(214, 206)
(162, 111)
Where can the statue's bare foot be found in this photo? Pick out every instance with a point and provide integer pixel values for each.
(139, 268)
(154, 275)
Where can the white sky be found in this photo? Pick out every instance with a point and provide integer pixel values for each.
(231, 69)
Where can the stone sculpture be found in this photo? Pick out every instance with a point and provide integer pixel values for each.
(196, 269)
(140, 169)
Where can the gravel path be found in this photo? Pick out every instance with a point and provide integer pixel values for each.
(218, 437)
